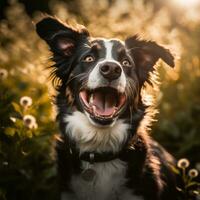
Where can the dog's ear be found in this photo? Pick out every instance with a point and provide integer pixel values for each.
(145, 54)
(61, 38)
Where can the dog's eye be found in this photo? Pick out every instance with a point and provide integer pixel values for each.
(126, 63)
(88, 58)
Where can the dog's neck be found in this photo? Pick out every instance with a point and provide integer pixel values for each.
(89, 138)
(94, 144)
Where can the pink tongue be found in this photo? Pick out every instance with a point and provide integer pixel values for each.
(104, 102)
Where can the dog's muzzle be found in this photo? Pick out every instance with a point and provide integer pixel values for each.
(104, 97)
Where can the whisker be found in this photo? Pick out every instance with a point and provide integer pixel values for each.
(86, 45)
(79, 75)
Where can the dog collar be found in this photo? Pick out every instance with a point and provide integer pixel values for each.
(131, 150)
(93, 157)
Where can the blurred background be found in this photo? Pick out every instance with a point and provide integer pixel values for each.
(27, 116)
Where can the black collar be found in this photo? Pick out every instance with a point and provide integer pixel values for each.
(130, 150)
(94, 157)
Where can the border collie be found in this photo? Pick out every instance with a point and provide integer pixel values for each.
(105, 152)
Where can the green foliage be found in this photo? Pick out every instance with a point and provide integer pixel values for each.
(178, 127)
(27, 169)
(27, 130)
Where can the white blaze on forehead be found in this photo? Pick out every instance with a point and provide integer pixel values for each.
(108, 46)
(96, 80)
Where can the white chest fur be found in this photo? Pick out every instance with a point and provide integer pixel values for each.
(108, 182)
(110, 176)
(107, 185)
(92, 138)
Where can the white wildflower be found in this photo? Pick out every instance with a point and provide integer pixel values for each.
(29, 121)
(3, 74)
(183, 163)
(25, 101)
(193, 173)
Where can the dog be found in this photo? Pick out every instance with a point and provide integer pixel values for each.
(105, 151)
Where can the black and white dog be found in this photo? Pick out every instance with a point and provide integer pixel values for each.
(105, 151)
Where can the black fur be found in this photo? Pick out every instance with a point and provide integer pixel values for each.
(148, 173)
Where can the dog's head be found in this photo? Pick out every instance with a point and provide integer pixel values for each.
(104, 76)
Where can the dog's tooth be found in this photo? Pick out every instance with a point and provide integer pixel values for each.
(114, 111)
(94, 109)
(91, 99)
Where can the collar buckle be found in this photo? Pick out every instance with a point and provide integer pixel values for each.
(91, 158)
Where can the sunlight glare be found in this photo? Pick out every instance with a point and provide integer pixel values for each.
(186, 3)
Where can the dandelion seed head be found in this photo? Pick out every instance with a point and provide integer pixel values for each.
(193, 173)
(3, 74)
(29, 121)
(25, 101)
(183, 163)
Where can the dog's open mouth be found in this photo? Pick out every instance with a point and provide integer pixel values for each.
(102, 103)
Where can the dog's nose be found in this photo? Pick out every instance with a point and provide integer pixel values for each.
(110, 71)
